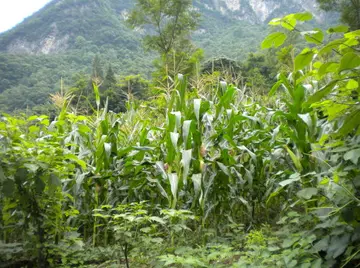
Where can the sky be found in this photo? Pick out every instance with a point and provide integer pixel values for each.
(13, 12)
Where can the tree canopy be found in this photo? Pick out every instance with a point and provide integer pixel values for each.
(349, 9)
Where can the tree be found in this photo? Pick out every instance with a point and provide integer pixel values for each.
(350, 10)
(168, 24)
(97, 74)
(110, 79)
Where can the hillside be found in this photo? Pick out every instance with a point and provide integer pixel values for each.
(62, 39)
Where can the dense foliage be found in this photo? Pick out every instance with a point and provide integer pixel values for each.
(205, 174)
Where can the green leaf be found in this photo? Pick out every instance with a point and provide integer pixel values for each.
(351, 123)
(333, 45)
(329, 67)
(289, 22)
(338, 29)
(39, 185)
(352, 84)
(349, 61)
(314, 37)
(76, 160)
(325, 181)
(295, 159)
(8, 188)
(304, 59)
(316, 264)
(274, 40)
(353, 156)
(275, 21)
(338, 245)
(275, 87)
(54, 180)
(303, 16)
(323, 244)
(32, 167)
(353, 34)
(319, 95)
(158, 220)
(293, 178)
(307, 193)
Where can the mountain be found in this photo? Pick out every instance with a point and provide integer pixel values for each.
(62, 39)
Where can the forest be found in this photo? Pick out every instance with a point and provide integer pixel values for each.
(206, 163)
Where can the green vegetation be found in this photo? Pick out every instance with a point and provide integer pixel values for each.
(350, 10)
(204, 173)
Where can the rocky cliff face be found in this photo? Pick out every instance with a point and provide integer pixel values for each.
(260, 11)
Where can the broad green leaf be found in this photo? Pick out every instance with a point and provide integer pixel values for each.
(329, 67)
(338, 245)
(349, 61)
(352, 84)
(304, 59)
(353, 34)
(331, 46)
(8, 188)
(274, 40)
(316, 264)
(319, 95)
(54, 180)
(325, 181)
(353, 156)
(289, 22)
(275, 21)
(338, 29)
(158, 220)
(335, 110)
(322, 245)
(307, 193)
(32, 167)
(76, 159)
(293, 178)
(304, 16)
(39, 185)
(351, 124)
(314, 37)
